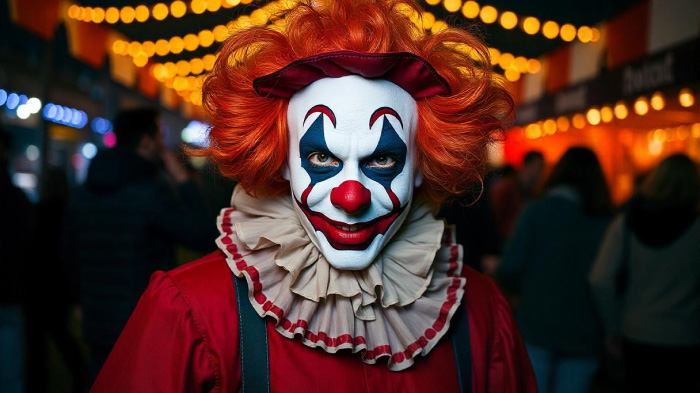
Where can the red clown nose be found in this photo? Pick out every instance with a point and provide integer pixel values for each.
(351, 196)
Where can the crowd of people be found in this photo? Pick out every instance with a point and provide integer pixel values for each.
(87, 255)
(591, 285)
(599, 293)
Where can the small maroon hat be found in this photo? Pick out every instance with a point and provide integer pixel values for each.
(406, 70)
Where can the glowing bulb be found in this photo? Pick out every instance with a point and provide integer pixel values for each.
(12, 101)
(657, 101)
(470, 9)
(593, 116)
(520, 64)
(512, 74)
(641, 106)
(568, 32)
(213, 5)
(695, 130)
(149, 48)
(620, 110)
(23, 112)
(98, 15)
(533, 66)
(579, 121)
(32, 152)
(206, 38)
(191, 42)
(488, 14)
(509, 20)
(112, 15)
(177, 44)
(505, 60)
(198, 6)
(220, 33)
(209, 61)
(162, 47)
(585, 34)
(160, 11)
(3, 97)
(531, 25)
(606, 114)
(550, 126)
(595, 35)
(178, 9)
(34, 105)
(183, 67)
(563, 123)
(142, 13)
(433, 2)
(127, 14)
(140, 60)
(452, 5)
(89, 150)
(550, 29)
(533, 131)
(686, 99)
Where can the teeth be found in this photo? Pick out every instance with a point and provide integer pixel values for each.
(350, 228)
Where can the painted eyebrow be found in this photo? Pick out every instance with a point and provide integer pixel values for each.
(322, 109)
(385, 110)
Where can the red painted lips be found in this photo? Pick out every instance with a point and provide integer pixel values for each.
(343, 236)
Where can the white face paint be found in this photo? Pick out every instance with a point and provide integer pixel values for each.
(352, 165)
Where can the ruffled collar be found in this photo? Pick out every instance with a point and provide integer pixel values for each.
(397, 307)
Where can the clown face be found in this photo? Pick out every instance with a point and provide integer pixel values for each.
(352, 165)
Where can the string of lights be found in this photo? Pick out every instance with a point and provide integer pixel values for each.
(142, 51)
(606, 114)
(181, 75)
(144, 13)
(529, 24)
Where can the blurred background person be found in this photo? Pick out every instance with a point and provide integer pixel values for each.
(547, 261)
(123, 224)
(510, 193)
(15, 224)
(647, 281)
(52, 301)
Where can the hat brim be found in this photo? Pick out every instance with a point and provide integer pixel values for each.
(406, 70)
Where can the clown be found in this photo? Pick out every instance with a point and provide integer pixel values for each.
(345, 129)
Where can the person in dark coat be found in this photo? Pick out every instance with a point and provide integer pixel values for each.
(15, 224)
(123, 224)
(547, 261)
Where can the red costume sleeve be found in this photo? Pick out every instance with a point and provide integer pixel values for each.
(163, 347)
(500, 361)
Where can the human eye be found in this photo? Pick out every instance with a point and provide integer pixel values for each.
(324, 160)
(381, 162)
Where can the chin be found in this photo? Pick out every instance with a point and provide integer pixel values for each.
(350, 259)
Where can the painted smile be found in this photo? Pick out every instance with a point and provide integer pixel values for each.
(343, 236)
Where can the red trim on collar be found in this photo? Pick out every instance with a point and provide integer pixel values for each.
(300, 326)
(408, 71)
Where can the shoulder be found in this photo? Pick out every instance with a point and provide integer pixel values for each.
(205, 284)
(482, 295)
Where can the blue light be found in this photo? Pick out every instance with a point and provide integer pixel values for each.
(196, 133)
(3, 97)
(89, 150)
(12, 101)
(64, 115)
(101, 125)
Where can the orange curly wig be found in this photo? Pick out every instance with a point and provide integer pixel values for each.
(248, 139)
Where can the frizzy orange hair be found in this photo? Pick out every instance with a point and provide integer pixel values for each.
(249, 136)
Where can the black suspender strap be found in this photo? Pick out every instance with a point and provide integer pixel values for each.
(461, 344)
(252, 336)
(253, 347)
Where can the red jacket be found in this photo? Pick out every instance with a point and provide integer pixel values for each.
(183, 337)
